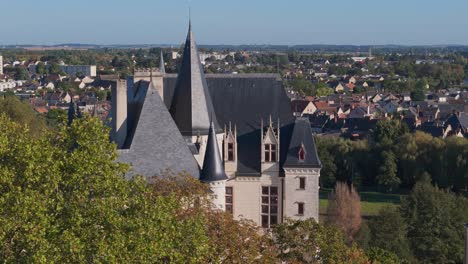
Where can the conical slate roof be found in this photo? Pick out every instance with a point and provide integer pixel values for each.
(213, 168)
(191, 104)
(162, 68)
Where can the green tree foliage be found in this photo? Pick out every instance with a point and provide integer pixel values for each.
(387, 173)
(389, 232)
(41, 68)
(22, 74)
(64, 198)
(418, 94)
(344, 160)
(22, 113)
(302, 86)
(378, 255)
(55, 68)
(387, 131)
(324, 90)
(309, 242)
(395, 158)
(56, 117)
(435, 220)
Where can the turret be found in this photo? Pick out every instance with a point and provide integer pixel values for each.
(213, 172)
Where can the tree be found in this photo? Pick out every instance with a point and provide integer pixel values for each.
(387, 131)
(64, 198)
(41, 68)
(387, 172)
(344, 210)
(378, 255)
(389, 232)
(323, 90)
(419, 91)
(308, 242)
(22, 74)
(303, 86)
(434, 218)
(22, 113)
(55, 68)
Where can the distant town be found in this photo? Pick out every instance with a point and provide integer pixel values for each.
(343, 90)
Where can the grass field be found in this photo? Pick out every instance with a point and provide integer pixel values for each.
(371, 202)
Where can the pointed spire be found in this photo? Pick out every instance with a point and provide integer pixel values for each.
(71, 112)
(191, 104)
(213, 168)
(162, 68)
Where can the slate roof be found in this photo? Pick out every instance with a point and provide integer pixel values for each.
(213, 167)
(156, 144)
(302, 136)
(244, 100)
(298, 106)
(191, 107)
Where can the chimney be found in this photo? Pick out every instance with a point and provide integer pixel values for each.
(119, 112)
(465, 260)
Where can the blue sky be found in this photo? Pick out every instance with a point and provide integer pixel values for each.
(410, 22)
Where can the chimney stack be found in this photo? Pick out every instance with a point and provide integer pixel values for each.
(119, 112)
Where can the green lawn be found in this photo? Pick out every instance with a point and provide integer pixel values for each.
(371, 202)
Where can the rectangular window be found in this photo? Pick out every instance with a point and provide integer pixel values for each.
(229, 200)
(270, 153)
(302, 183)
(300, 208)
(230, 151)
(267, 153)
(273, 153)
(269, 206)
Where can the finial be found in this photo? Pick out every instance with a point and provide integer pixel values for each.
(190, 16)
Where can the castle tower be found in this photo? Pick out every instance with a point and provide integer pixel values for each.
(213, 170)
(302, 172)
(191, 105)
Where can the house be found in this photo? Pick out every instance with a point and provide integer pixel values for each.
(301, 107)
(340, 87)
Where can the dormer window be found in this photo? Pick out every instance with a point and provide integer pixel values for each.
(230, 148)
(270, 153)
(230, 151)
(270, 143)
(302, 153)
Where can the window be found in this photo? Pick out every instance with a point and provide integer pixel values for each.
(302, 183)
(269, 206)
(230, 151)
(301, 154)
(229, 200)
(300, 208)
(270, 153)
